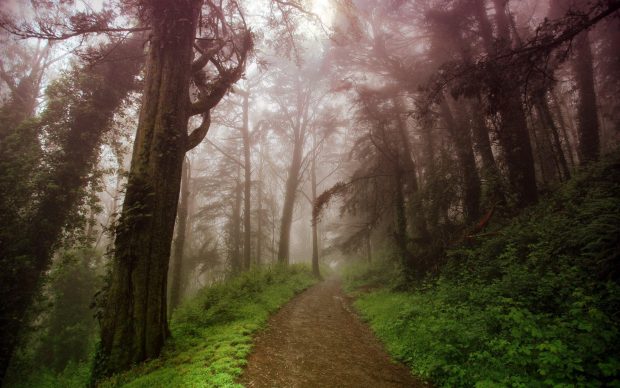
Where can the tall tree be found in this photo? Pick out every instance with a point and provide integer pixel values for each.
(134, 323)
(507, 101)
(79, 110)
(587, 111)
(247, 184)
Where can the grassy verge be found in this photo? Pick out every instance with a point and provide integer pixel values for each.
(212, 333)
(535, 305)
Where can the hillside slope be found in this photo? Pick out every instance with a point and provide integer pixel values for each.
(533, 303)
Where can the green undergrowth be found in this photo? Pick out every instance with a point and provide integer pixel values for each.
(535, 304)
(212, 333)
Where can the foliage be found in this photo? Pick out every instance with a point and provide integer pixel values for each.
(212, 333)
(57, 348)
(368, 276)
(534, 304)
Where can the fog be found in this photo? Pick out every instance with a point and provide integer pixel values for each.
(150, 154)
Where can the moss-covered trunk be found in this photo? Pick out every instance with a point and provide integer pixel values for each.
(134, 322)
(79, 110)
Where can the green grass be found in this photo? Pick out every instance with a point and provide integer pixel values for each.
(212, 333)
(211, 336)
(535, 305)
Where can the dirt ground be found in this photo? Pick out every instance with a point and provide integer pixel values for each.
(316, 340)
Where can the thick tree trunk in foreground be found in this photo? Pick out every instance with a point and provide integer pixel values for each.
(587, 112)
(134, 323)
(179, 243)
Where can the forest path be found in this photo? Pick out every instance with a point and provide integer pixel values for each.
(316, 340)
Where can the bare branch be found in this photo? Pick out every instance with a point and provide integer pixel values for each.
(199, 133)
(226, 154)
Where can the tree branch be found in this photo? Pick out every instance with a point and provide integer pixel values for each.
(205, 55)
(29, 33)
(226, 154)
(199, 133)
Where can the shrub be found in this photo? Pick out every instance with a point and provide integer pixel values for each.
(534, 305)
(212, 332)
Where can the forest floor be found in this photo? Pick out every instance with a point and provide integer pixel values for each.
(317, 340)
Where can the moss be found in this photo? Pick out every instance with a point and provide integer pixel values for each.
(212, 333)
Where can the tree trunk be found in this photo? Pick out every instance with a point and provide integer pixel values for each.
(247, 186)
(465, 155)
(315, 237)
(547, 119)
(179, 243)
(236, 259)
(134, 323)
(489, 173)
(401, 238)
(430, 174)
(292, 180)
(259, 212)
(369, 246)
(564, 127)
(290, 195)
(411, 189)
(587, 112)
(513, 133)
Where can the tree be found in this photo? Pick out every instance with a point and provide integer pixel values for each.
(134, 323)
(179, 243)
(294, 124)
(79, 110)
(587, 111)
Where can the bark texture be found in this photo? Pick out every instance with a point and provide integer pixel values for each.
(134, 322)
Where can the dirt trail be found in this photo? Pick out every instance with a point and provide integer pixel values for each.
(316, 340)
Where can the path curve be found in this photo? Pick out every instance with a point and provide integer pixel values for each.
(316, 340)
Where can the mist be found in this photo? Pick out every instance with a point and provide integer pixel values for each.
(298, 192)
